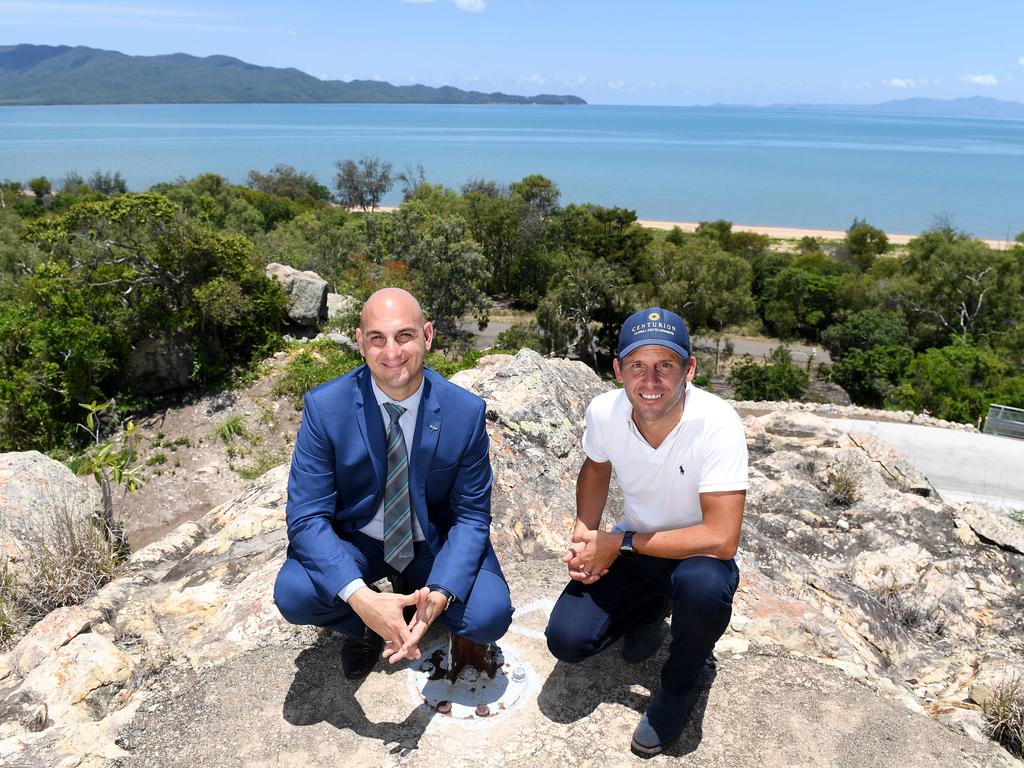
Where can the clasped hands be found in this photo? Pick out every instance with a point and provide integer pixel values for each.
(591, 553)
(383, 613)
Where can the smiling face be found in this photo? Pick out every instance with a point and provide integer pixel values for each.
(655, 379)
(393, 338)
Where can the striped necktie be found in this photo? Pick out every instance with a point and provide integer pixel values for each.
(397, 512)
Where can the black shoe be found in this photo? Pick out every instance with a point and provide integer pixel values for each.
(663, 722)
(643, 640)
(359, 654)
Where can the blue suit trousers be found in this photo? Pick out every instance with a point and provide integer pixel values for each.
(483, 617)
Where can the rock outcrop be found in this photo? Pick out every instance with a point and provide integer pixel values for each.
(307, 293)
(869, 615)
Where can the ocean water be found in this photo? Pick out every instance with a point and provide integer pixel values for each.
(755, 167)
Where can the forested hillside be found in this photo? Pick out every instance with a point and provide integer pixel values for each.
(43, 74)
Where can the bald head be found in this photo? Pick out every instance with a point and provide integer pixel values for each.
(391, 301)
(394, 338)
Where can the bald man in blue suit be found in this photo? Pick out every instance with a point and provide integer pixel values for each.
(337, 510)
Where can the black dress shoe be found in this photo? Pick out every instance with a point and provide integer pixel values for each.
(359, 654)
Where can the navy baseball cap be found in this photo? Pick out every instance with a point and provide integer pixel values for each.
(654, 326)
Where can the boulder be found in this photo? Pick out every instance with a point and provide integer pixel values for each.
(307, 293)
(33, 489)
(340, 304)
(159, 365)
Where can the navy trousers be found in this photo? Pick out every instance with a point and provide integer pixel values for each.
(588, 618)
(483, 617)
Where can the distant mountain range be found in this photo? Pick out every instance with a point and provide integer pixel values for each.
(973, 106)
(44, 74)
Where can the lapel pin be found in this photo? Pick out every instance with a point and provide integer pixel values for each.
(433, 427)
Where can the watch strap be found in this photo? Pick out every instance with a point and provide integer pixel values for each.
(447, 593)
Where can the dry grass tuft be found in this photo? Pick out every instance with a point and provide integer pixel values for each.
(1004, 715)
(842, 484)
(68, 561)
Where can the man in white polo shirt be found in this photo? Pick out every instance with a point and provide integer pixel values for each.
(680, 456)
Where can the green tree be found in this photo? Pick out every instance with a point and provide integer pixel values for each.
(447, 269)
(798, 302)
(284, 181)
(864, 243)
(777, 380)
(864, 330)
(870, 375)
(700, 281)
(40, 187)
(956, 284)
(610, 234)
(364, 183)
(958, 382)
(584, 308)
(107, 183)
(326, 241)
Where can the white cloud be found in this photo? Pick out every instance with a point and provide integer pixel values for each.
(905, 82)
(294, 33)
(616, 85)
(535, 79)
(418, 2)
(981, 79)
(1021, 62)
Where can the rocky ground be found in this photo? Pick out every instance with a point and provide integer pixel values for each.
(872, 620)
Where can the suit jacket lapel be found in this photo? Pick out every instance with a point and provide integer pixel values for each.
(371, 426)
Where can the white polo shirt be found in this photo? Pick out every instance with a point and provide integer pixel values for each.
(705, 452)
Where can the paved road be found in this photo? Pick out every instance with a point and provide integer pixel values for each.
(963, 466)
(761, 348)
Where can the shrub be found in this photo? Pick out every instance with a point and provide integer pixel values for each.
(317, 363)
(520, 336)
(778, 380)
(1004, 715)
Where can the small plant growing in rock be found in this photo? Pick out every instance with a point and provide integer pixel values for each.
(810, 462)
(842, 484)
(109, 462)
(230, 428)
(1004, 715)
(1017, 516)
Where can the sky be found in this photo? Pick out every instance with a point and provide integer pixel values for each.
(654, 52)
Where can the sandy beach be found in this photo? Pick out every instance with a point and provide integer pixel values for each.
(777, 233)
(794, 233)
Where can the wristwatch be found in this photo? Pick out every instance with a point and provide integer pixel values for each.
(626, 547)
(448, 596)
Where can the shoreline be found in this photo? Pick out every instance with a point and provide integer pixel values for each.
(795, 233)
(776, 233)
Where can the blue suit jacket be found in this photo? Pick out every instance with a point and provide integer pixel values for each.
(337, 479)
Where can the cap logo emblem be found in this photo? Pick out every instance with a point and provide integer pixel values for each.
(654, 317)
